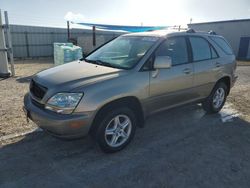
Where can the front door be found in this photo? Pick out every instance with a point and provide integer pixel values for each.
(172, 86)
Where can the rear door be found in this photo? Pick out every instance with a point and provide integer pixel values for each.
(206, 65)
(172, 86)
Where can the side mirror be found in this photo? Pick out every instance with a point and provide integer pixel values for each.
(162, 62)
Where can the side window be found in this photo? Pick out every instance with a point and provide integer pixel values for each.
(222, 44)
(214, 54)
(176, 48)
(200, 48)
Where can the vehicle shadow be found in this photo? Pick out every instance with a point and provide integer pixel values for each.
(182, 147)
(1, 79)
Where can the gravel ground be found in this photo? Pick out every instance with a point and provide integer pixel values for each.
(182, 147)
(196, 150)
(12, 119)
(240, 93)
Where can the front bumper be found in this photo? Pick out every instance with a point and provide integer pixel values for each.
(59, 125)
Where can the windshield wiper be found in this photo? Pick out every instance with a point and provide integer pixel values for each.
(90, 61)
(100, 62)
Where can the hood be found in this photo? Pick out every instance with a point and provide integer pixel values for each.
(75, 74)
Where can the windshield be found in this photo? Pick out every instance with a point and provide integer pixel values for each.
(123, 52)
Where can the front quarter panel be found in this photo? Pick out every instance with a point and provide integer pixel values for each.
(96, 95)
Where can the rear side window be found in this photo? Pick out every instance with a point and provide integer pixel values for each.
(201, 49)
(214, 53)
(176, 48)
(222, 44)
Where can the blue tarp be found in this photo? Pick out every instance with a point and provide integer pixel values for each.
(125, 28)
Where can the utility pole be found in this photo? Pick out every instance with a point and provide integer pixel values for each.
(4, 69)
(68, 30)
(9, 42)
(94, 35)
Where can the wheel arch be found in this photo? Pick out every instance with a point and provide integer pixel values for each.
(130, 101)
(227, 81)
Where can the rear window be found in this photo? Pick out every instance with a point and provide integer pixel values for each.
(222, 44)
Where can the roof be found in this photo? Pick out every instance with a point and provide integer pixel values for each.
(218, 22)
(170, 32)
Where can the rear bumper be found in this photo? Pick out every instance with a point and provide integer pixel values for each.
(60, 125)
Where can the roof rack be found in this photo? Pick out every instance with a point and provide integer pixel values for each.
(212, 32)
(190, 31)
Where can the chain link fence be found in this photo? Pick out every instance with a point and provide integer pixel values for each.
(35, 41)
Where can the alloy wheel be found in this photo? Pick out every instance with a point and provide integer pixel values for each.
(118, 130)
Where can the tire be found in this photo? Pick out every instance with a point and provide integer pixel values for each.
(217, 98)
(112, 134)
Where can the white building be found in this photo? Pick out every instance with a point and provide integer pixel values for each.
(237, 33)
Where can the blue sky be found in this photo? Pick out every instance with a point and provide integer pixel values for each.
(123, 12)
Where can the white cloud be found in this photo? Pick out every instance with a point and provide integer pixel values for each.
(70, 16)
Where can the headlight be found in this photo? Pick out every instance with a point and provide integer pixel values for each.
(63, 103)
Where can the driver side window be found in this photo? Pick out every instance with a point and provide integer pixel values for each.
(176, 48)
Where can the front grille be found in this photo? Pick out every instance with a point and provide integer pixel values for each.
(37, 90)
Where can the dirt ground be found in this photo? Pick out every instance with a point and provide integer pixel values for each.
(12, 90)
(182, 147)
(240, 93)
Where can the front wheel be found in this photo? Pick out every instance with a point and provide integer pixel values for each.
(116, 129)
(216, 99)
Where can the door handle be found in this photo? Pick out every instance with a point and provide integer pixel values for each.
(155, 73)
(187, 71)
(217, 64)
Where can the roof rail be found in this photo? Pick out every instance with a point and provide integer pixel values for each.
(212, 32)
(190, 31)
